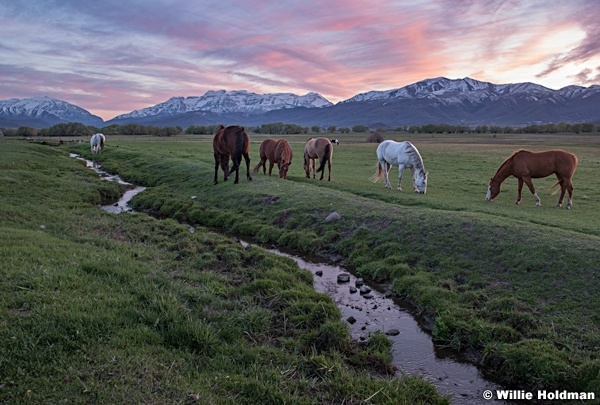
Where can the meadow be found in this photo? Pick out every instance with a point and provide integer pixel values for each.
(515, 287)
(103, 308)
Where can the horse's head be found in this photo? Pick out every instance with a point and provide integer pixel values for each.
(493, 190)
(420, 182)
(283, 169)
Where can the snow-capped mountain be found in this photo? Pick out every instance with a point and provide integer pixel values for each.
(227, 102)
(432, 101)
(460, 90)
(45, 110)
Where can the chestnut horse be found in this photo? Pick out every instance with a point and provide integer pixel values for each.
(526, 165)
(231, 142)
(322, 149)
(275, 151)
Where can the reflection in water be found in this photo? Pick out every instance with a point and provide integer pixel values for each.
(413, 350)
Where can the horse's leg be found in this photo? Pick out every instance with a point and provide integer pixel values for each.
(314, 171)
(519, 190)
(247, 159)
(217, 161)
(225, 166)
(329, 170)
(527, 180)
(271, 164)
(569, 188)
(400, 173)
(385, 168)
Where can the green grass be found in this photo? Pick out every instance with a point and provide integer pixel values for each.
(100, 308)
(518, 284)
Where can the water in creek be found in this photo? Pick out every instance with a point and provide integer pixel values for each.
(366, 312)
(123, 204)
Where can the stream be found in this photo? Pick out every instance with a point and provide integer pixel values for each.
(367, 308)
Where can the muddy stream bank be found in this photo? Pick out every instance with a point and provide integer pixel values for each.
(367, 308)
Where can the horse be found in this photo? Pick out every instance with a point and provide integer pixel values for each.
(231, 142)
(526, 165)
(335, 141)
(322, 149)
(276, 151)
(97, 143)
(403, 155)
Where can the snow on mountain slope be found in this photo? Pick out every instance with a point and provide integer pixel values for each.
(237, 101)
(43, 107)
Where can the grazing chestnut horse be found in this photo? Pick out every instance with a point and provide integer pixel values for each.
(526, 165)
(322, 149)
(276, 151)
(231, 142)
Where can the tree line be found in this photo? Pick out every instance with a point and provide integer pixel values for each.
(280, 128)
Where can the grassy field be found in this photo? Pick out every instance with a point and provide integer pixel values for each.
(106, 309)
(516, 284)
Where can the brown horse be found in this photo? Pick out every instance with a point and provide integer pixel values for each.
(322, 149)
(275, 151)
(231, 142)
(526, 165)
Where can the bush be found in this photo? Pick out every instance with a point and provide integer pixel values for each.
(375, 137)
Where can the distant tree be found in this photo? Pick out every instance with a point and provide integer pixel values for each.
(26, 131)
(315, 129)
(360, 128)
(331, 128)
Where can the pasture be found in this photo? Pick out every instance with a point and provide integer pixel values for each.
(107, 309)
(515, 286)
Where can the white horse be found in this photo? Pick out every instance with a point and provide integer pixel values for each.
(97, 143)
(401, 154)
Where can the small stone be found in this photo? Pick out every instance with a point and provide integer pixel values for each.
(334, 216)
(351, 320)
(343, 278)
(359, 282)
(392, 332)
(319, 273)
(353, 290)
(368, 296)
(365, 289)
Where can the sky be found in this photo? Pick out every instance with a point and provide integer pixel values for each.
(111, 57)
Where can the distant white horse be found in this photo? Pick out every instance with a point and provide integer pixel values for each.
(334, 141)
(97, 143)
(401, 154)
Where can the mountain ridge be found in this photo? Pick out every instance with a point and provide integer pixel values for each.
(464, 101)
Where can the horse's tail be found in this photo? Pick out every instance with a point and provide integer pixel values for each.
(553, 186)
(239, 150)
(326, 157)
(378, 175)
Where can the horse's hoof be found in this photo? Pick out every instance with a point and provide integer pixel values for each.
(249, 178)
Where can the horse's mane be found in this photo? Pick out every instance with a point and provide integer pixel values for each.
(415, 157)
(508, 160)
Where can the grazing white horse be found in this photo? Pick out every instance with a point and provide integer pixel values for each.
(97, 143)
(403, 155)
